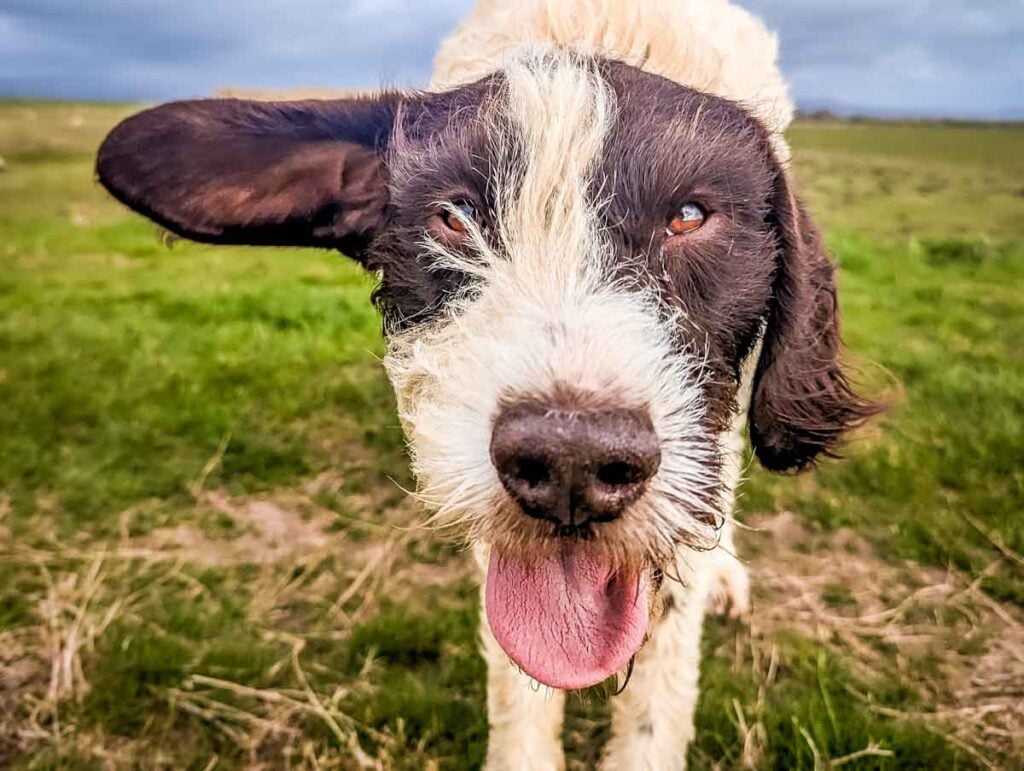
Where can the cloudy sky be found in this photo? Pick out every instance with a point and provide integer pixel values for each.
(935, 57)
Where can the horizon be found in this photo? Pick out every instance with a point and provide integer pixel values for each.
(810, 111)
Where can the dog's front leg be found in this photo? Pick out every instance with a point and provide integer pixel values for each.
(525, 719)
(652, 719)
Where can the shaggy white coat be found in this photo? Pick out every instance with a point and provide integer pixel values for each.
(563, 110)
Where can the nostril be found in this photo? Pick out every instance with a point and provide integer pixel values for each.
(574, 467)
(620, 474)
(532, 471)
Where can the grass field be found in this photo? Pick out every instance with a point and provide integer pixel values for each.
(207, 560)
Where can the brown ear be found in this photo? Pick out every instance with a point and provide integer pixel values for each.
(802, 403)
(232, 171)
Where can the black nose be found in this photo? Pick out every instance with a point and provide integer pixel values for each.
(574, 467)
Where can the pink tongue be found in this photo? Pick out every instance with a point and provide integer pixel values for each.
(568, 620)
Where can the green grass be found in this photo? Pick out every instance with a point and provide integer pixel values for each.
(809, 711)
(948, 333)
(905, 181)
(133, 378)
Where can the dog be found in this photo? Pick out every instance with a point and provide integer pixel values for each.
(594, 273)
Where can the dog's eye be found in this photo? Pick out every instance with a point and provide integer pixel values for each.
(456, 217)
(689, 218)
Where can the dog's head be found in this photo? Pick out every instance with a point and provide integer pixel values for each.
(580, 266)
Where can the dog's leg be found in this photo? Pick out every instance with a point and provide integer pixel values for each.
(652, 719)
(525, 719)
(730, 590)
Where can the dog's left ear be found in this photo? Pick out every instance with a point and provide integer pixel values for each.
(235, 171)
(802, 402)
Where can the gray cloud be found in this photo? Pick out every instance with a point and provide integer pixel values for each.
(153, 49)
(915, 56)
(961, 57)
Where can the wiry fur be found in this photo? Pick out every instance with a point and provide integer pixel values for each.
(710, 45)
(571, 323)
(587, 125)
(545, 311)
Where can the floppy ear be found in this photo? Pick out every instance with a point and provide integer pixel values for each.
(231, 171)
(802, 403)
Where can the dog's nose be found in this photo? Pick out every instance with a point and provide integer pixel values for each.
(574, 467)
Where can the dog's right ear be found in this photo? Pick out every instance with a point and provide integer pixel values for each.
(233, 171)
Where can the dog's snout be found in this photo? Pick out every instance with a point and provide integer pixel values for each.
(574, 467)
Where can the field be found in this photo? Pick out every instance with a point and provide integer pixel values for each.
(207, 559)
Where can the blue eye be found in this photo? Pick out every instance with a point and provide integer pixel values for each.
(688, 218)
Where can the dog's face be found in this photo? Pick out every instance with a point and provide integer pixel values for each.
(578, 261)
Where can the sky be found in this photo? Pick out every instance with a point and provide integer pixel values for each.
(954, 58)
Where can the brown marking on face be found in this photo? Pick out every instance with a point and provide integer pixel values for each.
(370, 176)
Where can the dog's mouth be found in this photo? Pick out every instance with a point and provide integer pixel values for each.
(570, 619)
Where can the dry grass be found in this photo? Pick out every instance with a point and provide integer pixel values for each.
(294, 544)
(962, 651)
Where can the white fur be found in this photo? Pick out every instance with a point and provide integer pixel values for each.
(525, 718)
(653, 717)
(544, 311)
(711, 45)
